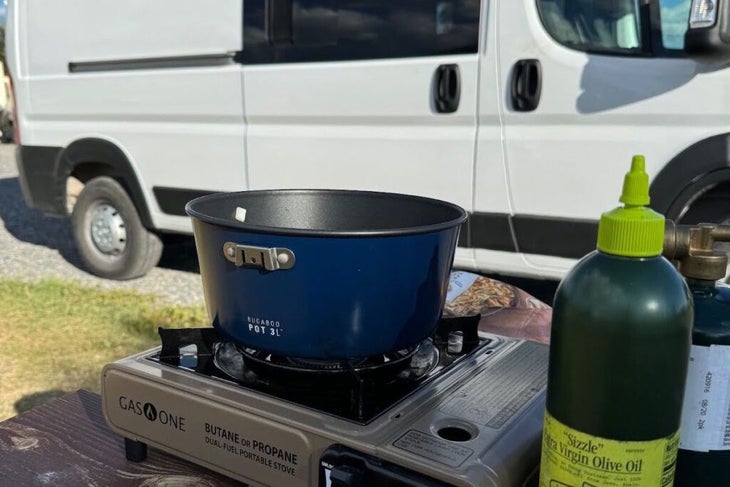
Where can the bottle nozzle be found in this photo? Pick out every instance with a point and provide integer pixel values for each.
(638, 163)
(632, 230)
(636, 184)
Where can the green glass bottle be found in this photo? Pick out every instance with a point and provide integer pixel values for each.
(621, 334)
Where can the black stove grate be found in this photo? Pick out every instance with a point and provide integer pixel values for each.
(357, 390)
(293, 370)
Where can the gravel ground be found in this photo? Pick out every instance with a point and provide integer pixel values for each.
(35, 246)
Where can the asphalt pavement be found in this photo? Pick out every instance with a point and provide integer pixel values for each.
(35, 246)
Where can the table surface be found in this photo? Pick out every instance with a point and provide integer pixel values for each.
(68, 443)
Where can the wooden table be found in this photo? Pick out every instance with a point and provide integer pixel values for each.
(67, 443)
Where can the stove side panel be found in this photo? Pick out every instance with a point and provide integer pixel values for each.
(234, 442)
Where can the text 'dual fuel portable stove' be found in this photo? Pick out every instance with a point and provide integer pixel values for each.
(462, 408)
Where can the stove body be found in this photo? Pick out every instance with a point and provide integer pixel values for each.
(475, 419)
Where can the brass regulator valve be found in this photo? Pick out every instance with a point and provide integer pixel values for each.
(693, 247)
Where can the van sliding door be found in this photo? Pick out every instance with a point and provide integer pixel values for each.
(375, 94)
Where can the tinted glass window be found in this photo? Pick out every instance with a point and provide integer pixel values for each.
(593, 25)
(675, 17)
(332, 30)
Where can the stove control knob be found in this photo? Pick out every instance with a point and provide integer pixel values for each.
(346, 476)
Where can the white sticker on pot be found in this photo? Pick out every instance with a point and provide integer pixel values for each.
(459, 282)
(706, 408)
(261, 326)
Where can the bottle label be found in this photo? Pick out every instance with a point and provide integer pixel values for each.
(571, 458)
(706, 408)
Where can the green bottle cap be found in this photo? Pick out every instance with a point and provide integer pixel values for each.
(632, 230)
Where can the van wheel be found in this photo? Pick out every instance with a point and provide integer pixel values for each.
(109, 235)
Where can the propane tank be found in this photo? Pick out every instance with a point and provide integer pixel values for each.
(704, 444)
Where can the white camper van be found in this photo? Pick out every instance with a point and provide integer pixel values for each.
(524, 112)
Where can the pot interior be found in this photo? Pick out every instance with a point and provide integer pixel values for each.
(327, 212)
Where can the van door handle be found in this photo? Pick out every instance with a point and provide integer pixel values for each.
(526, 85)
(447, 88)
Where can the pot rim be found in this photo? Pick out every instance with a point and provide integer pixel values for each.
(234, 224)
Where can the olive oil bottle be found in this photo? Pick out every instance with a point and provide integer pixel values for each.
(620, 342)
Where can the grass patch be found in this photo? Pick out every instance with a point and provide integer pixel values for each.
(55, 336)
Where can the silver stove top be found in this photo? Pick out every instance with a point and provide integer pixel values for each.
(477, 423)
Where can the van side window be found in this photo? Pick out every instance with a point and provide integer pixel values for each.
(675, 17)
(341, 30)
(593, 25)
(615, 26)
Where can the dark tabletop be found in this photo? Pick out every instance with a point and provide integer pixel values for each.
(68, 443)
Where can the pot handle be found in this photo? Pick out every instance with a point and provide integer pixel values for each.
(271, 259)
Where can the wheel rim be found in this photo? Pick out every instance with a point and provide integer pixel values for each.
(107, 229)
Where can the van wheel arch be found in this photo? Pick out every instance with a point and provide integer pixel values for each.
(690, 176)
(88, 158)
(695, 186)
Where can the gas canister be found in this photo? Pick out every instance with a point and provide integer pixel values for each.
(704, 444)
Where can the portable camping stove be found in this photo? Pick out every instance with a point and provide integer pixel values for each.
(463, 408)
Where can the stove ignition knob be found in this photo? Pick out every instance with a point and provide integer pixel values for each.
(346, 476)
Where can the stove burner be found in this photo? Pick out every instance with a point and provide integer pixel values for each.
(357, 390)
(228, 359)
(314, 364)
(385, 365)
(411, 363)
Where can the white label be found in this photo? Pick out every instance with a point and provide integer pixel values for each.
(459, 282)
(706, 410)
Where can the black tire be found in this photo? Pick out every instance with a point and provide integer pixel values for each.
(119, 247)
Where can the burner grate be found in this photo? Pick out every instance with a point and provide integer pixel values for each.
(381, 368)
(358, 390)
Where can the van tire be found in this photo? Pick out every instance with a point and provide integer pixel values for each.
(109, 235)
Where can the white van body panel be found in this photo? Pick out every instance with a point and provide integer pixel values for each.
(595, 112)
(102, 30)
(169, 122)
(491, 184)
(163, 150)
(361, 125)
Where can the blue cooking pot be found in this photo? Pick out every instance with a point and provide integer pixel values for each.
(324, 274)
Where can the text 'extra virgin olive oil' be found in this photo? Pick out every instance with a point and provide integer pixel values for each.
(620, 343)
